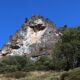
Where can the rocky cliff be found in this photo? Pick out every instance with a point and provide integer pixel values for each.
(37, 37)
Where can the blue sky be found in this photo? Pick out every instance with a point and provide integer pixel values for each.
(13, 13)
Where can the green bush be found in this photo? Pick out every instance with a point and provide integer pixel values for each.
(43, 63)
(23, 63)
(15, 63)
(8, 68)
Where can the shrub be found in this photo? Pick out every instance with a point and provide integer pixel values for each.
(15, 63)
(23, 63)
(8, 68)
(43, 63)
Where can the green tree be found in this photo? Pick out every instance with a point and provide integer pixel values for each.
(67, 53)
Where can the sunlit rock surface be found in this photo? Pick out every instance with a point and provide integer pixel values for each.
(37, 37)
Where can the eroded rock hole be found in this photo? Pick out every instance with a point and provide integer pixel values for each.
(15, 47)
(38, 27)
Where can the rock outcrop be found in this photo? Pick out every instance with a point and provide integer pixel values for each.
(37, 37)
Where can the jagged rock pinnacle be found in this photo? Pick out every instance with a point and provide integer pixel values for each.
(37, 37)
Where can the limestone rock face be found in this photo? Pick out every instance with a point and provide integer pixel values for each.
(37, 37)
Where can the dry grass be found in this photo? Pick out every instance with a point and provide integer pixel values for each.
(34, 75)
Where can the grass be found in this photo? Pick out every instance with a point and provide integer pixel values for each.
(42, 75)
(33, 75)
(71, 75)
